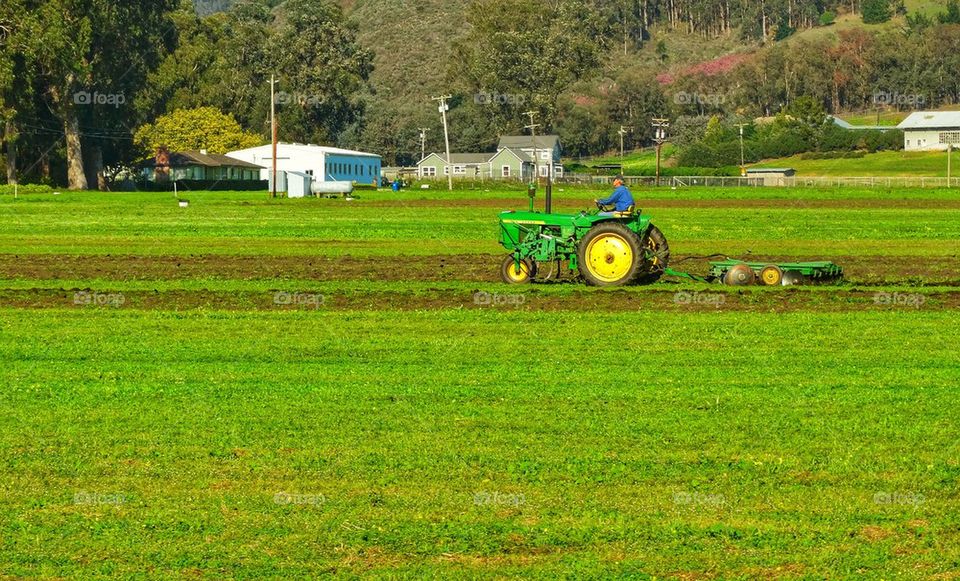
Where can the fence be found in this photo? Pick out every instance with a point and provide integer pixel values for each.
(769, 181)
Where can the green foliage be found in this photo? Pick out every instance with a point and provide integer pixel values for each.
(195, 129)
(827, 18)
(784, 30)
(876, 11)
(952, 14)
(527, 54)
(323, 69)
(807, 110)
(22, 189)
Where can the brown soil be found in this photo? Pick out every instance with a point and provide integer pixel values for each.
(498, 298)
(868, 270)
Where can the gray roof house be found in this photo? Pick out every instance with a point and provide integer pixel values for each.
(547, 149)
(506, 163)
(197, 165)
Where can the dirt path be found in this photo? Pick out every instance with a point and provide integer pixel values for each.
(664, 299)
(454, 267)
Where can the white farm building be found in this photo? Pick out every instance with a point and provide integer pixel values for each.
(324, 164)
(931, 130)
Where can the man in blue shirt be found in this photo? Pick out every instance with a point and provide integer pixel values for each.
(621, 199)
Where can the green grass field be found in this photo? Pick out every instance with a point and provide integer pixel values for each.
(167, 416)
(880, 164)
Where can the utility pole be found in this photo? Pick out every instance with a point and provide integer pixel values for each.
(743, 162)
(660, 126)
(949, 165)
(446, 134)
(536, 161)
(621, 133)
(533, 135)
(423, 143)
(273, 134)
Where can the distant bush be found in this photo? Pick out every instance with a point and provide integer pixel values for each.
(25, 189)
(205, 185)
(827, 18)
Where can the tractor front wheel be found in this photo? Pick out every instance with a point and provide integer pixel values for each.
(511, 274)
(610, 255)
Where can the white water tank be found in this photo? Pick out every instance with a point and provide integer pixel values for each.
(321, 188)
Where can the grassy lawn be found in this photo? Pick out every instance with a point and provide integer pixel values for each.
(881, 164)
(637, 162)
(418, 223)
(316, 443)
(886, 118)
(395, 427)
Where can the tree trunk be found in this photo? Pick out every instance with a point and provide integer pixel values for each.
(94, 167)
(76, 178)
(10, 136)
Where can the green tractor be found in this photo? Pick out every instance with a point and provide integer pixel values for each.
(607, 248)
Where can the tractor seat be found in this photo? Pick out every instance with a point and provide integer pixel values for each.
(626, 213)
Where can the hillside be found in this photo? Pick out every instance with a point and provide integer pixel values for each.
(881, 164)
(412, 44)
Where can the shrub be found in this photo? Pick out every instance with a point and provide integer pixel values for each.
(25, 189)
(827, 18)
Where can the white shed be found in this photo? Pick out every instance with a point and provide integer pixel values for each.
(931, 130)
(322, 163)
(299, 184)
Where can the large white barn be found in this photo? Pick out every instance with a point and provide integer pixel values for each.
(324, 164)
(931, 130)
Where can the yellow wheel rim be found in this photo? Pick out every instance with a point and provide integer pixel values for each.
(609, 257)
(654, 249)
(770, 276)
(518, 274)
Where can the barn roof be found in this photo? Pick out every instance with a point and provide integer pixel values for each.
(194, 158)
(932, 120)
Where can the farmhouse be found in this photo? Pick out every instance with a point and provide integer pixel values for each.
(931, 130)
(547, 150)
(197, 165)
(322, 163)
(505, 164)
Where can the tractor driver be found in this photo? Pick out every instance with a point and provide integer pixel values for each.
(621, 199)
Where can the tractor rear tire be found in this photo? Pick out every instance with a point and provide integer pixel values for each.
(655, 243)
(510, 274)
(610, 255)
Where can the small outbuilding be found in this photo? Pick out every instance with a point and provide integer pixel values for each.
(772, 176)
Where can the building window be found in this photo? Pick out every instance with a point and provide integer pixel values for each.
(459, 170)
(544, 170)
(544, 155)
(428, 171)
(505, 171)
(309, 172)
(950, 137)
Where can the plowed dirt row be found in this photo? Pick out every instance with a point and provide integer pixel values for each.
(454, 267)
(773, 300)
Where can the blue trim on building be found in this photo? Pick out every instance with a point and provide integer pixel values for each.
(352, 168)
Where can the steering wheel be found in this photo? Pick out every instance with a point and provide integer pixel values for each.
(600, 206)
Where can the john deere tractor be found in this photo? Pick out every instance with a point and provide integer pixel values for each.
(606, 248)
